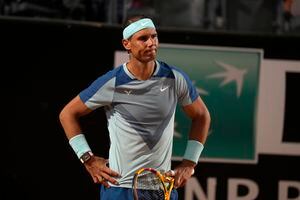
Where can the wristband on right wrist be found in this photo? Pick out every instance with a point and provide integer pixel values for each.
(79, 145)
(193, 150)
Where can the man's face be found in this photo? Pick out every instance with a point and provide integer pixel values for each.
(143, 45)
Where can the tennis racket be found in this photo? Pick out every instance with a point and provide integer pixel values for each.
(151, 184)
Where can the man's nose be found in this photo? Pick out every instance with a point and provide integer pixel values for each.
(151, 41)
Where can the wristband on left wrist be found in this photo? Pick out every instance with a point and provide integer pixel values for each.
(193, 151)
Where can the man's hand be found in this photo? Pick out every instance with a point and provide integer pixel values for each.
(182, 173)
(97, 167)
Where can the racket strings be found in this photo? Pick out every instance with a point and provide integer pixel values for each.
(149, 187)
(148, 181)
(151, 195)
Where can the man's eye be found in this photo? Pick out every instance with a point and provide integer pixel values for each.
(143, 39)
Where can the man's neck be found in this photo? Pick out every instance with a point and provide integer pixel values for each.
(141, 71)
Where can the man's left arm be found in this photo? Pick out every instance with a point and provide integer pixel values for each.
(199, 114)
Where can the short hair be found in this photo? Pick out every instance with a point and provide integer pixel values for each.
(132, 19)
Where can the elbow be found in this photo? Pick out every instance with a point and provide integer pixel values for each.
(204, 116)
(68, 114)
(61, 116)
(205, 123)
(207, 117)
(64, 115)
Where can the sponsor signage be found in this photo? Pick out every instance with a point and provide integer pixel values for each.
(227, 81)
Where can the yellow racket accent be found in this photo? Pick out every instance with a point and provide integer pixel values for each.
(167, 182)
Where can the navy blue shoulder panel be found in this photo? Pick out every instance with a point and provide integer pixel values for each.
(87, 93)
(121, 77)
(165, 70)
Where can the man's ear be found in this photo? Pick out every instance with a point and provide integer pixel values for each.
(126, 44)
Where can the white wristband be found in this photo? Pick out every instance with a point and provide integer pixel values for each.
(193, 150)
(79, 145)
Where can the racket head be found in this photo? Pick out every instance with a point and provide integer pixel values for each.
(151, 184)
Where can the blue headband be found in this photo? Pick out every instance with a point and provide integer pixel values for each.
(137, 26)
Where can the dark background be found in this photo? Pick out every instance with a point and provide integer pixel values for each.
(44, 64)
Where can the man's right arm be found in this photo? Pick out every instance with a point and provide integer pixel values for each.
(96, 166)
(70, 114)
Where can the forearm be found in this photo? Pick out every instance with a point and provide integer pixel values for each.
(199, 130)
(199, 127)
(70, 124)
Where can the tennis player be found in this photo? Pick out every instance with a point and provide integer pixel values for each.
(140, 99)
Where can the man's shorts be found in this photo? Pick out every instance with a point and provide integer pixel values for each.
(119, 193)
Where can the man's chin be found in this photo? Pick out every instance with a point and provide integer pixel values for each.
(149, 58)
